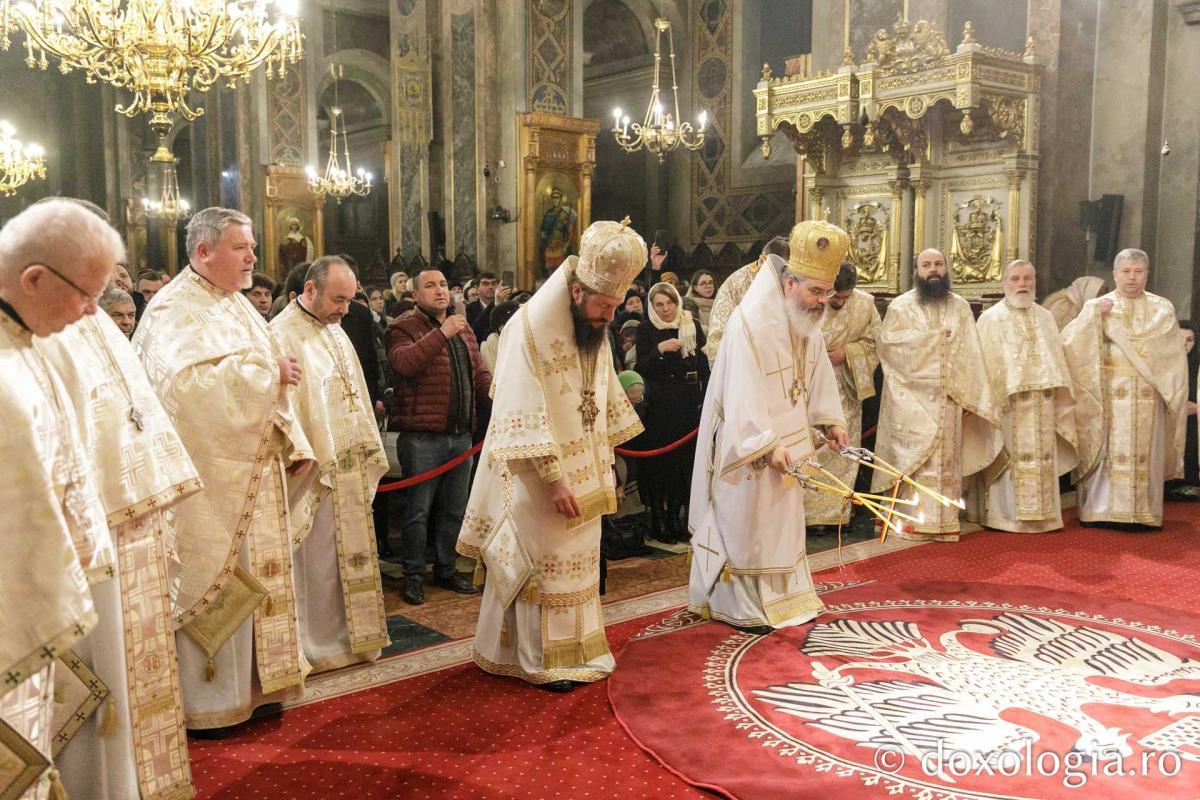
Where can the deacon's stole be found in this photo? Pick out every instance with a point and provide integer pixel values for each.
(333, 408)
(1122, 366)
(142, 469)
(931, 359)
(1032, 384)
(544, 408)
(211, 359)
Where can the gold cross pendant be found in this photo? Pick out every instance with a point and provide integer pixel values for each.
(796, 393)
(589, 410)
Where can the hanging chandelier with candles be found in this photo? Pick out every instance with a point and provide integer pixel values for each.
(339, 179)
(19, 163)
(660, 131)
(159, 50)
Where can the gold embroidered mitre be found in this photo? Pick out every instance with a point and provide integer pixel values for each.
(818, 249)
(611, 254)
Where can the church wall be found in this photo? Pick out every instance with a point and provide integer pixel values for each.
(1178, 198)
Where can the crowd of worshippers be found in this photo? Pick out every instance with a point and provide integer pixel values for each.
(192, 516)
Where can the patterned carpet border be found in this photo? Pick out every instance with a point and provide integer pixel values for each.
(451, 654)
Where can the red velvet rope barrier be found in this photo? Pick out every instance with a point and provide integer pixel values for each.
(433, 473)
(621, 451)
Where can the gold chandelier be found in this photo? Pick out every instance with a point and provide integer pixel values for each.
(337, 180)
(659, 132)
(160, 50)
(19, 164)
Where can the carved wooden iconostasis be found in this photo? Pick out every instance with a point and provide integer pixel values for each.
(292, 220)
(917, 147)
(558, 157)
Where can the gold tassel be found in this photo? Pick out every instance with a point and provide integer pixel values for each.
(532, 592)
(688, 558)
(57, 790)
(480, 574)
(269, 606)
(725, 576)
(504, 641)
(108, 727)
(704, 612)
(210, 671)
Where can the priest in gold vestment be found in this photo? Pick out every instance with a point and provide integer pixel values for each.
(339, 598)
(1130, 372)
(938, 417)
(55, 260)
(546, 471)
(732, 290)
(849, 326)
(225, 383)
(1028, 370)
(773, 384)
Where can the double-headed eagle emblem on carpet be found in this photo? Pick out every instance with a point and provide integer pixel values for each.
(959, 695)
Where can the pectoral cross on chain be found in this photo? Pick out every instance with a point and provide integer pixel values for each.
(135, 416)
(797, 391)
(349, 393)
(589, 410)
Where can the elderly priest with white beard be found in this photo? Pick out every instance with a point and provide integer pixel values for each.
(772, 384)
(339, 598)
(1029, 376)
(225, 383)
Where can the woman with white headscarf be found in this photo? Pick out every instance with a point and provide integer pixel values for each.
(671, 360)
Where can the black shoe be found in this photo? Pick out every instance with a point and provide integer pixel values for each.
(561, 687)
(414, 591)
(212, 733)
(456, 583)
(757, 630)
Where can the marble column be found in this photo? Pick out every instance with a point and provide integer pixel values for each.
(412, 129)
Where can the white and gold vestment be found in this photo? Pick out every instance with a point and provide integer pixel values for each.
(136, 745)
(1028, 370)
(854, 328)
(339, 596)
(56, 543)
(556, 413)
(938, 421)
(749, 564)
(1130, 375)
(212, 361)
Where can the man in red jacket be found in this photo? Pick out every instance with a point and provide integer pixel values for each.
(441, 383)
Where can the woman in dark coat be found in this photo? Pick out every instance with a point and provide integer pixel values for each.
(670, 357)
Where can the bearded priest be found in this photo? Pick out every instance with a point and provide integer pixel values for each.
(1130, 373)
(339, 598)
(772, 384)
(225, 383)
(1029, 375)
(938, 417)
(546, 471)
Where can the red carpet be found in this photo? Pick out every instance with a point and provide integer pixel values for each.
(980, 689)
(459, 733)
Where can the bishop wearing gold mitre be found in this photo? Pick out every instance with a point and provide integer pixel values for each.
(1130, 373)
(226, 384)
(546, 471)
(771, 386)
(938, 417)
